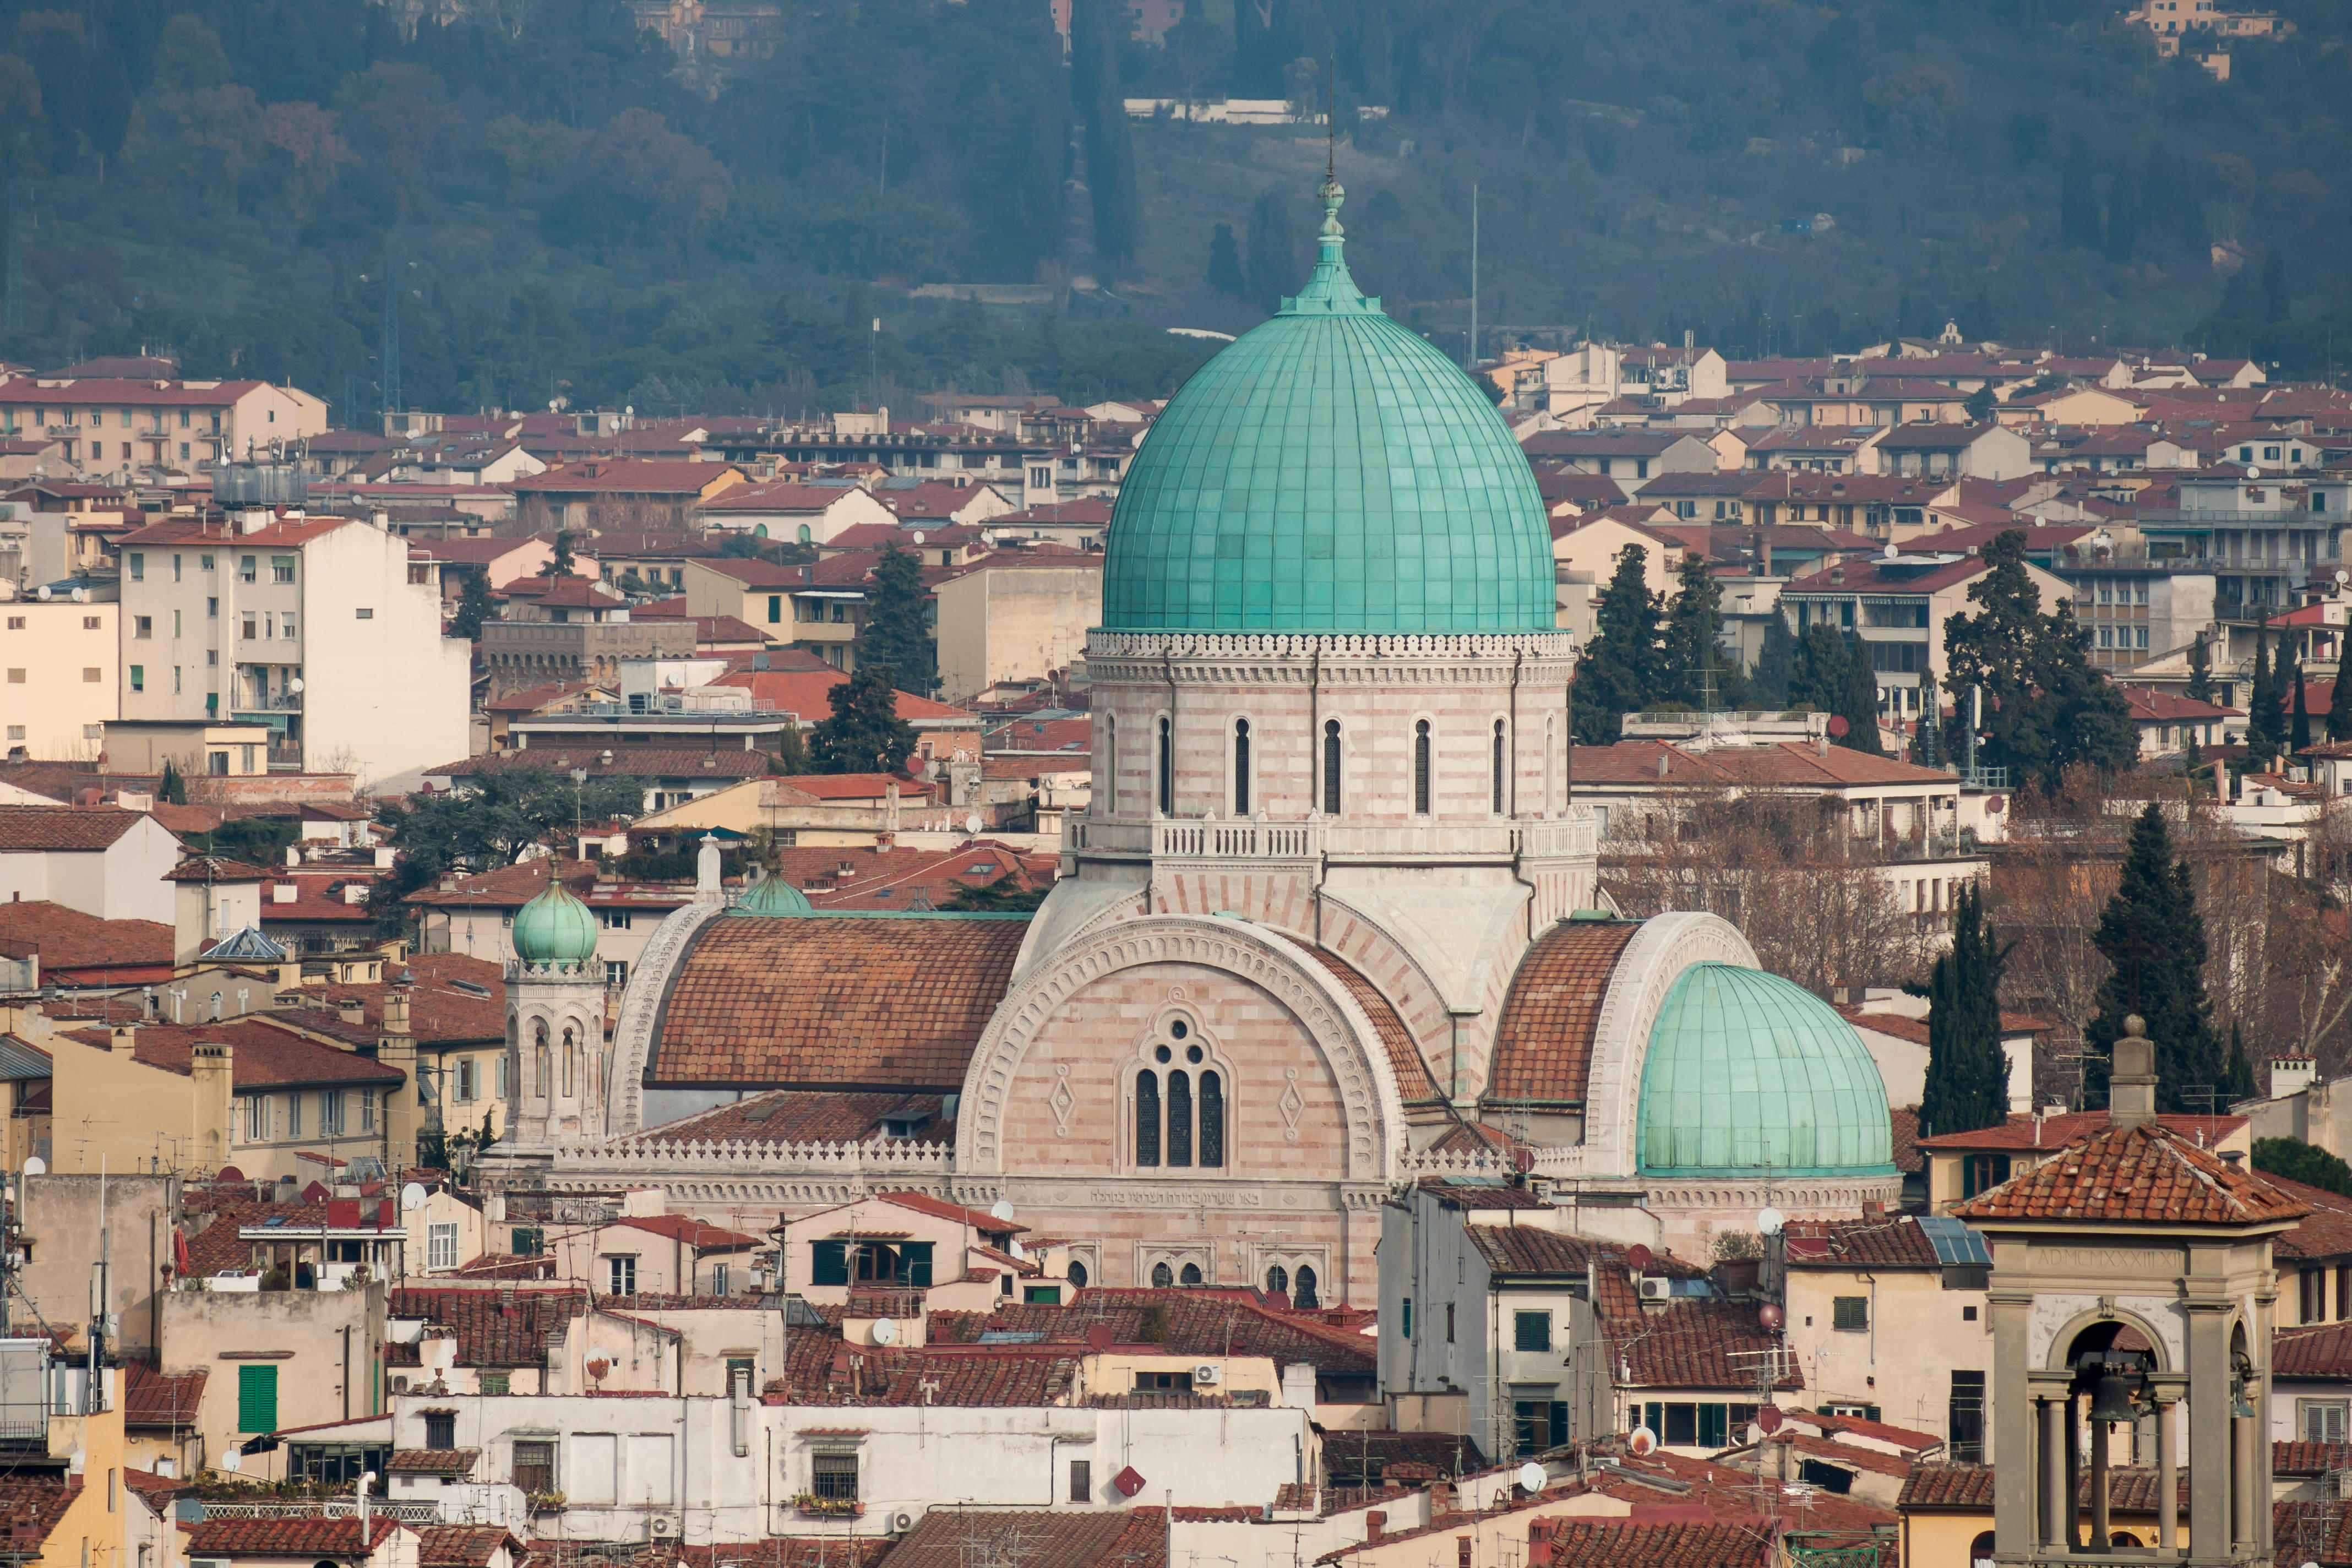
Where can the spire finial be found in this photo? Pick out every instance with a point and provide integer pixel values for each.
(1330, 124)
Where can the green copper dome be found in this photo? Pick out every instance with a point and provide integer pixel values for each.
(555, 930)
(771, 896)
(1751, 1075)
(1329, 472)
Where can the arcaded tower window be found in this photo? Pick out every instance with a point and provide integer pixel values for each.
(1421, 768)
(1240, 767)
(1331, 767)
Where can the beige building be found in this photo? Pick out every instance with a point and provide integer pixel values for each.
(63, 674)
(112, 424)
(277, 1359)
(193, 746)
(318, 628)
(1014, 615)
(1584, 553)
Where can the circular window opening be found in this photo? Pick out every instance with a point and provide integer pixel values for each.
(1162, 1054)
(1192, 1054)
(1178, 1029)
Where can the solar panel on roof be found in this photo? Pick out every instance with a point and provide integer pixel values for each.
(1954, 1242)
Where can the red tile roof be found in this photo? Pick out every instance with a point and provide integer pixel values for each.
(263, 1056)
(2143, 1173)
(433, 1461)
(64, 827)
(1893, 1242)
(2309, 1458)
(494, 1328)
(220, 1537)
(156, 1491)
(715, 762)
(463, 1545)
(835, 1002)
(68, 941)
(1413, 1077)
(30, 1509)
(153, 1398)
(2056, 1132)
(2325, 1233)
(627, 476)
(1543, 1045)
(940, 1208)
(960, 1536)
(692, 1232)
(1191, 1323)
(2322, 1350)
(806, 1116)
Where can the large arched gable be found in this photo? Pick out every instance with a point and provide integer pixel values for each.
(1349, 1041)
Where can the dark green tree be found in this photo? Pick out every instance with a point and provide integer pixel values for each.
(1776, 661)
(171, 789)
(1225, 263)
(2277, 306)
(1274, 269)
(475, 606)
(898, 630)
(2237, 1071)
(560, 563)
(864, 733)
(2339, 695)
(2300, 1161)
(2045, 709)
(1833, 675)
(2200, 670)
(1004, 894)
(2123, 214)
(504, 812)
(1981, 404)
(1618, 673)
(2078, 201)
(2154, 940)
(2266, 713)
(1968, 1076)
(2298, 729)
(1695, 659)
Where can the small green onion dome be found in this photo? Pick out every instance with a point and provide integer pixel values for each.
(1748, 1075)
(771, 896)
(1329, 472)
(555, 930)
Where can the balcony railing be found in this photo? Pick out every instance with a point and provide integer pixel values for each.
(1241, 838)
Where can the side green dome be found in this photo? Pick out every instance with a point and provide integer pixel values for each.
(555, 930)
(1329, 472)
(771, 896)
(1749, 1074)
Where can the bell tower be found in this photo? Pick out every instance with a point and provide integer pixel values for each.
(555, 1054)
(2132, 1287)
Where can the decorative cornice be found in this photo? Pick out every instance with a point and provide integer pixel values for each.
(1331, 661)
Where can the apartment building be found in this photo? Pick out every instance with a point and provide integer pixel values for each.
(62, 681)
(320, 628)
(114, 423)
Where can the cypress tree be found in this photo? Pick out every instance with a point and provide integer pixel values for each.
(1776, 662)
(1225, 263)
(2123, 216)
(2154, 939)
(2265, 722)
(897, 631)
(1619, 672)
(2339, 696)
(2078, 201)
(2276, 304)
(1968, 1076)
(2238, 1072)
(1274, 269)
(1833, 675)
(1694, 642)
(2298, 734)
(864, 733)
(2200, 670)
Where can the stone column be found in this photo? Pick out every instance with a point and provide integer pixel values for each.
(2168, 1479)
(2101, 1434)
(2017, 1525)
(2070, 1504)
(2053, 1488)
(2209, 1430)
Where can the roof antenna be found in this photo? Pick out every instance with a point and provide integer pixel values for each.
(1330, 122)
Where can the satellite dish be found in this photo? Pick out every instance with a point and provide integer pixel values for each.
(35, 1165)
(1019, 1250)
(1640, 1442)
(919, 536)
(1769, 1418)
(295, 684)
(412, 1196)
(971, 823)
(1768, 1220)
(2254, 473)
(1531, 1477)
(886, 1331)
(230, 1460)
(1839, 726)
(2342, 577)
(1640, 1259)
(1770, 1315)
(1002, 1209)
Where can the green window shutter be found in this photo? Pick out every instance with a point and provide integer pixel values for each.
(530, 1241)
(1532, 1331)
(828, 1263)
(257, 1398)
(916, 1255)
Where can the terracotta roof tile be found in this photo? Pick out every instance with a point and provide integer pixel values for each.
(1695, 1344)
(2056, 1132)
(835, 1002)
(1523, 1249)
(1195, 1323)
(494, 1328)
(2322, 1350)
(2309, 1458)
(2325, 1232)
(957, 1537)
(463, 1545)
(1404, 1056)
(690, 1231)
(434, 1461)
(311, 1537)
(2130, 1488)
(153, 1398)
(64, 827)
(1894, 1242)
(1543, 1045)
(67, 940)
(2146, 1172)
(807, 1116)
(156, 1491)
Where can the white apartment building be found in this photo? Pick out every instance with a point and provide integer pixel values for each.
(60, 673)
(318, 627)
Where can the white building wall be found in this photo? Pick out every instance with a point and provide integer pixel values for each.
(386, 693)
(49, 705)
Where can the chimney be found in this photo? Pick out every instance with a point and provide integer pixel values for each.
(395, 1010)
(351, 1009)
(1837, 575)
(1376, 1525)
(2291, 1075)
(2131, 1084)
(124, 1039)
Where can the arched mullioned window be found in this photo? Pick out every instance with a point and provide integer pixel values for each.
(1147, 1118)
(1305, 1295)
(571, 1062)
(1212, 1119)
(1179, 1118)
(542, 1069)
(1421, 767)
(1110, 766)
(1331, 767)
